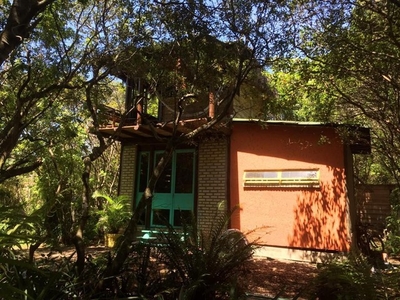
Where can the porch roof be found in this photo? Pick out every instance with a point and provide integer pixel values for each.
(357, 137)
(149, 130)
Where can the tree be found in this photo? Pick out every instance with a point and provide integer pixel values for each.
(355, 45)
(74, 48)
(23, 17)
(43, 83)
(199, 44)
(298, 96)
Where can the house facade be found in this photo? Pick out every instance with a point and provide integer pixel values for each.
(291, 182)
(196, 180)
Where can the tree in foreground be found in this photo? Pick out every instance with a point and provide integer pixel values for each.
(199, 49)
(55, 77)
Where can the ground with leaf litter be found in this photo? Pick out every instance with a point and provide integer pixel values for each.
(266, 277)
(288, 279)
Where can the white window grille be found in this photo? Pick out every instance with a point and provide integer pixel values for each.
(282, 178)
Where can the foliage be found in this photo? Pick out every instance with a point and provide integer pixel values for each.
(348, 279)
(354, 45)
(17, 228)
(393, 224)
(298, 96)
(115, 213)
(186, 263)
(144, 273)
(207, 265)
(369, 170)
(20, 278)
(354, 278)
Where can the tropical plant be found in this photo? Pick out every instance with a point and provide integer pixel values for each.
(115, 213)
(206, 265)
(144, 274)
(348, 279)
(354, 278)
(20, 278)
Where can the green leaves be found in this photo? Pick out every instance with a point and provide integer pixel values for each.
(115, 213)
(17, 228)
(207, 263)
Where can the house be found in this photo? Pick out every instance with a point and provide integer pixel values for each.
(291, 181)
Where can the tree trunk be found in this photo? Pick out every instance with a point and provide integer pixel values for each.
(78, 238)
(129, 235)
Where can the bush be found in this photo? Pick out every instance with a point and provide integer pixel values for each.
(115, 214)
(21, 279)
(393, 224)
(206, 265)
(344, 280)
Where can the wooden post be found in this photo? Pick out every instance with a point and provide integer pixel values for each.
(211, 104)
(139, 102)
(139, 109)
(128, 94)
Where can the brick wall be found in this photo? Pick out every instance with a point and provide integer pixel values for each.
(128, 170)
(212, 181)
(373, 204)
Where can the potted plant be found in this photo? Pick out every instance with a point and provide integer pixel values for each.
(113, 217)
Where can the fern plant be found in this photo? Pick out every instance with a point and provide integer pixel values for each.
(207, 265)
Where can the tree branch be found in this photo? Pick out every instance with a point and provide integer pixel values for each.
(20, 24)
(6, 174)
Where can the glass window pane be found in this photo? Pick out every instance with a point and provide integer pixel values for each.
(277, 178)
(261, 174)
(143, 170)
(161, 216)
(164, 182)
(142, 218)
(184, 172)
(181, 217)
(305, 174)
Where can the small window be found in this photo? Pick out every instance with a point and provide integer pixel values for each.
(281, 178)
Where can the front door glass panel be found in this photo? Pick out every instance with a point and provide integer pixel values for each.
(184, 173)
(173, 200)
(164, 182)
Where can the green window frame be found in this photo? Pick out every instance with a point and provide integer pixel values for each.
(174, 194)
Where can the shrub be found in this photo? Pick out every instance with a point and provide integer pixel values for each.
(206, 265)
(115, 214)
(342, 280)
(393, 224)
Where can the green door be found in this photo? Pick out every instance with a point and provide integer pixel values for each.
(183, 186)
(174, 193)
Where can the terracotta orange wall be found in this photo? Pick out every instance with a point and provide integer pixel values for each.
(290, 217)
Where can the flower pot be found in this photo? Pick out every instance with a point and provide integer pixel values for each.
(110, 239)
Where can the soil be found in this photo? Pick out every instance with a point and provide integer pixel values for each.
(288, 279)
(267, 278)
